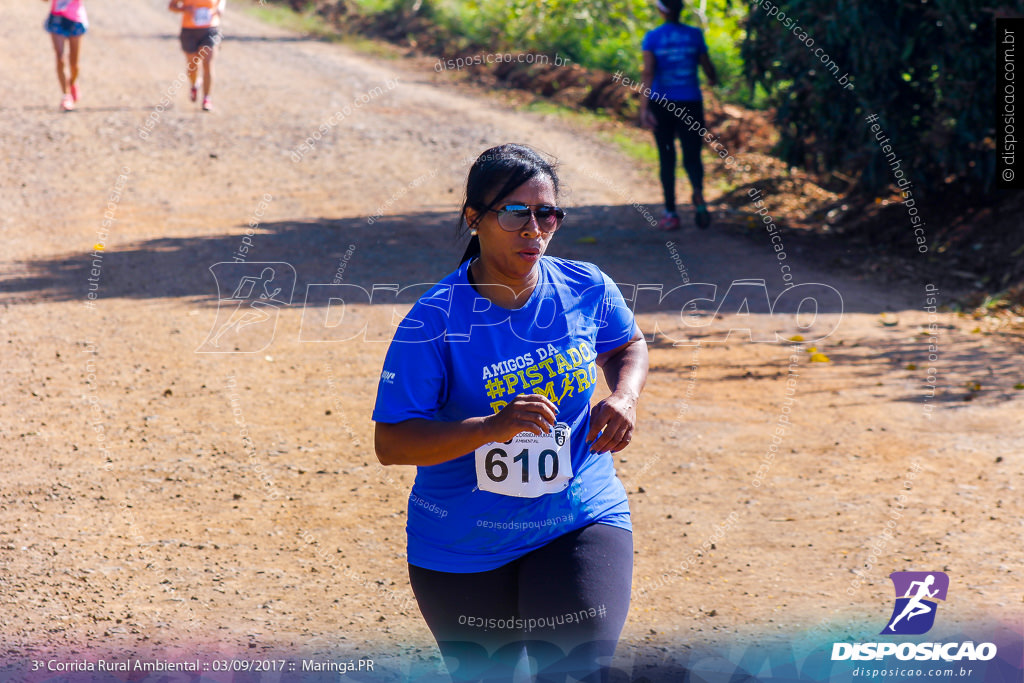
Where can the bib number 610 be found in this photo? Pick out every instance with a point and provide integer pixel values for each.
(497, 470)
(527, 465)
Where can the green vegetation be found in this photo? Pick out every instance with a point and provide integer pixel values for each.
(598, 34)
(304, 21)
(926, 69)
(636, 146)
(308, 21)
(633, 142)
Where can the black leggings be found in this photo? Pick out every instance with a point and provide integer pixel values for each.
(672, 124)
(565, 603)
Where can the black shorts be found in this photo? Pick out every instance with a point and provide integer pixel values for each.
(193, 39)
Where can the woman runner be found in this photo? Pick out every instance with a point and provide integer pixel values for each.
(67, 23)
(519, 537)
(200, 35)
(671, 55)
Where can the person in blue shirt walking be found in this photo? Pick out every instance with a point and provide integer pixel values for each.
(519, 536)
(672, 53)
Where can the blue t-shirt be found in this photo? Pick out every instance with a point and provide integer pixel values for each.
(456, 355)
(677, 49)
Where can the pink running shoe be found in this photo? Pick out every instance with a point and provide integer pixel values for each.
(67, 103)
(669, 222)
(207, 104)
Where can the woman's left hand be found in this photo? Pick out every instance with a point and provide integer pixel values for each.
(614, 418)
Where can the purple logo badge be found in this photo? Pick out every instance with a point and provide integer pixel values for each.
(917, 594)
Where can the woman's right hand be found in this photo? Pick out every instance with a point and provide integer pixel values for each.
(647, 119)
(526, 413)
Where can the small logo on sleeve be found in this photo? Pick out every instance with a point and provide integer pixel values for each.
(387, 377)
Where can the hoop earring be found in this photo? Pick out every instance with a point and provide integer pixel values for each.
(473, 232)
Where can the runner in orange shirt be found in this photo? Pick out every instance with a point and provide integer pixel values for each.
(200, 35)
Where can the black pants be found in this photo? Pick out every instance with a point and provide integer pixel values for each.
(565, 603)
(670, 125)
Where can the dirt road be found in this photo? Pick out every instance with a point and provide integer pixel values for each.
(136, 517)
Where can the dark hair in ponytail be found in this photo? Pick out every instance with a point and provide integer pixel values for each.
(493, 176)
(673, 8)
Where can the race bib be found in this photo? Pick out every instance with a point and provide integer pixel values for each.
(202, 16)
(528, 465)
(61, 6)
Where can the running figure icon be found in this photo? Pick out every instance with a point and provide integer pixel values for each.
(247, 318)
(918, 595)
(256, 311)
(916, 606)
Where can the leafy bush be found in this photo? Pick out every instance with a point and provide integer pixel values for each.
(927, 70)
(599, 34)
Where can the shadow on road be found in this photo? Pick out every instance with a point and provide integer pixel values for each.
(421, 247)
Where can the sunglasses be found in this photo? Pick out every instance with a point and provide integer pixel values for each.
(513, 217)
